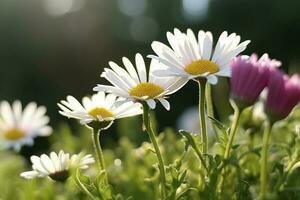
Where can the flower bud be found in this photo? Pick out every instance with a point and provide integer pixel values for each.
(250, 76)
(283, 95)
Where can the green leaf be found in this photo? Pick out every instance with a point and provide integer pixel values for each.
(100, 178)
(182, 176)
(235, 146)
(218, 124)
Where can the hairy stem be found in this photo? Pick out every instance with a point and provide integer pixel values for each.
(280, 185)
(233, 130)
(210, 109)
(202, 84)
(229, 144)
(98, 151)
(82, 187)
(264, 161)
(147, 123)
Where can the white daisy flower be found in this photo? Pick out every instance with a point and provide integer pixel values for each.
(57, 166)
(191, 58)
(135, 86)
(18, 128)
(98, 108)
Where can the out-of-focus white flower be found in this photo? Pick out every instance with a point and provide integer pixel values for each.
(57, 166)
(297, 129)
(189, 121)
(98, 108)
(19, 127)
(258, 113)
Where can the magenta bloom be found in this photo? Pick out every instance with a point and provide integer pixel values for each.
(283, 95)
(249, 77)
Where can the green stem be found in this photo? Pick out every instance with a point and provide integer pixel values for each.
(210, 109)
(233, 130)
(98, 151)
(198, 152)
(280, 184)
(82, 187)
(202, 83)
(147, 123)
(264, 161)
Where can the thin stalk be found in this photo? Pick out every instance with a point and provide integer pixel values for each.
(98, 151)
(264, 161)
(233, 130)
(202, 160)
(82, 187)
(147, 123)
(202, 115)
(210, 109)
(280, 184)
(198, 152)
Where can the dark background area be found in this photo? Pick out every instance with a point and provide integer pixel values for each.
(52, 48)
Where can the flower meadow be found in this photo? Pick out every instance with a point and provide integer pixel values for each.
(255, 155)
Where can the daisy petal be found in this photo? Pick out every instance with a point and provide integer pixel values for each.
(151, 103)
(165, 103)
(141, 68)
(212, 79)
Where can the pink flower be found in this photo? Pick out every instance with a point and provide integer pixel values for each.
(249, 77)
(283, 95)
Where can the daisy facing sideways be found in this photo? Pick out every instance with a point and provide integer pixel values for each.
(99, 107)
(57, 166)
(193, 58)
(18, 128)
(133, 84)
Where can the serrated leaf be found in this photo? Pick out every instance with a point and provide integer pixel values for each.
(218, 124)
(235, 146)
(193, 144)
(218, 159)
(279, 168)
(100, 179)
(189, 138)
(151, 150)
(85, 180)
(182, 176)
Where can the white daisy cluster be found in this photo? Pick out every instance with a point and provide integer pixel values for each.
(57, 166)
(188, 58)
(18, 128)
(131, 87)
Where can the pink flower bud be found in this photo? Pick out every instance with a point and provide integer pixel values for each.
(283, 95)
(249, 77)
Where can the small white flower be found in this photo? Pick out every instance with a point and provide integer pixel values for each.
(297, 129)
(136, 86)
(191, 58)
(258, 112)
(189, 121)
(98, 108)
(18, 128)
(57, 166)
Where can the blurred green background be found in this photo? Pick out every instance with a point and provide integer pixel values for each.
(53, 48)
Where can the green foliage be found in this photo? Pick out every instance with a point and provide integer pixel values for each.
(133, 173)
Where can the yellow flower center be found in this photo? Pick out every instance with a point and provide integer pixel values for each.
(148, 90)
(201, 66)
(14, 134)
(100, 112)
